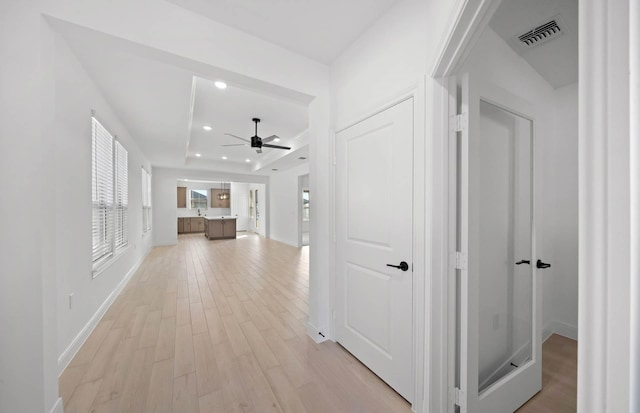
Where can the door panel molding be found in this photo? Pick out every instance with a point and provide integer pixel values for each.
(421, 254)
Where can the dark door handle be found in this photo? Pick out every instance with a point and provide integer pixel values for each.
(403, 266)
(523, 262)
(541, 264)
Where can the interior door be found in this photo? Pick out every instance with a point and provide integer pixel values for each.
(374, 277)
(499, 306)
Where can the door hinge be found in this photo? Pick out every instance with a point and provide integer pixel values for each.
(458, 123)
(458, 397)
(460, 261)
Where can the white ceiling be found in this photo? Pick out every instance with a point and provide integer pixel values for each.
(230, 111)
(320, 30)
(164, 101)
(557, 60)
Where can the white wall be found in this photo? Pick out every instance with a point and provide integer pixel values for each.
(28, 362)
(76, 95)
(285, 204)
(165, 198)
(556, 173)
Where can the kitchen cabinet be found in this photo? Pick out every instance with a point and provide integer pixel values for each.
(190, 224)
(182, 197)
(220, 228)
(197, 224)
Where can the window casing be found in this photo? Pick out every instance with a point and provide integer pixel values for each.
(198, 198)
(110, 195)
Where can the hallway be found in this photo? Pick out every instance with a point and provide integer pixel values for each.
(207, 326)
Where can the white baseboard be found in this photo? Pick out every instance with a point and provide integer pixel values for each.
(67, 355)
(315, 334)
(57, 407)
(560, 328)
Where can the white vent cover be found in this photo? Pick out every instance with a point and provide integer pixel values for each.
(541, 34)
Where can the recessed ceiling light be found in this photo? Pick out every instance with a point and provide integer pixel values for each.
(207, 128)
(220, 84)
(224, 157)
(276, 140)
(186, 179)
(247, 160)
(198, 155)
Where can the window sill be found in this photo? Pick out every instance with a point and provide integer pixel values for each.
(102, 266)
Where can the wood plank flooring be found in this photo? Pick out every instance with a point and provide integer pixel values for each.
(559, 378)
(218, 326)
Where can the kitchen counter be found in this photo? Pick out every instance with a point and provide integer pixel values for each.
(220, 227)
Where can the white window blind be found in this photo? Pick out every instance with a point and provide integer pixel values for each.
(122, 196)
(102, 192)
(146, 201)
(110, 194)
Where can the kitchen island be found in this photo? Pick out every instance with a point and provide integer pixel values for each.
(219, 227)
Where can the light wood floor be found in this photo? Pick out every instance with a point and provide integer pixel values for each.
(559, 378)
(208, 326)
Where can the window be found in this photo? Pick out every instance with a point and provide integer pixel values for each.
(146, 201)
(109, 193)
(198, 198)
(305, 204)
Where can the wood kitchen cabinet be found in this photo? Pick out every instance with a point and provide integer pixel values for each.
(182, 197)
(218, 228)
(188, 224)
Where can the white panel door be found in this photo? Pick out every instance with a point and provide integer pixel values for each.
(499, 309)
(374, 230)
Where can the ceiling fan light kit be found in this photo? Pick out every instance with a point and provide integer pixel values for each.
(257, 142)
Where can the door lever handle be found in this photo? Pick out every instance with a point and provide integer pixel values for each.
(541, 264)
(403, 266)
(523, 262)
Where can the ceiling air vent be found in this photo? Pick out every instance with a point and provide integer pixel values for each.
(541, 34)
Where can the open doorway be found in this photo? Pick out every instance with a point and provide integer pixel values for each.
(513, 200)
(304, 214)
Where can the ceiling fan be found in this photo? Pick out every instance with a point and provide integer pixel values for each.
(256, 141)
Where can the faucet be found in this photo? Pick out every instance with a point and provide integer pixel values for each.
(198, 211)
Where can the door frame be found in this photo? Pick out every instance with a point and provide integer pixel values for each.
(471, 17)
(608, 328)
(420, 223)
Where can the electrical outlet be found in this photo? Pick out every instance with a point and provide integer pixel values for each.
(70, 301)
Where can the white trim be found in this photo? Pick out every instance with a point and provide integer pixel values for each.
(471, 18)
(104, 264)
(315, 334)
(408, 93)
(634, 185)
(57, 406)
(67, 355)
(560, 328)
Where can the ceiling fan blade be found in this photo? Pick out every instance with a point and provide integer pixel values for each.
(270, 138)
(259, 150)
(266, 145)
(237, 144)
(237, 137)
